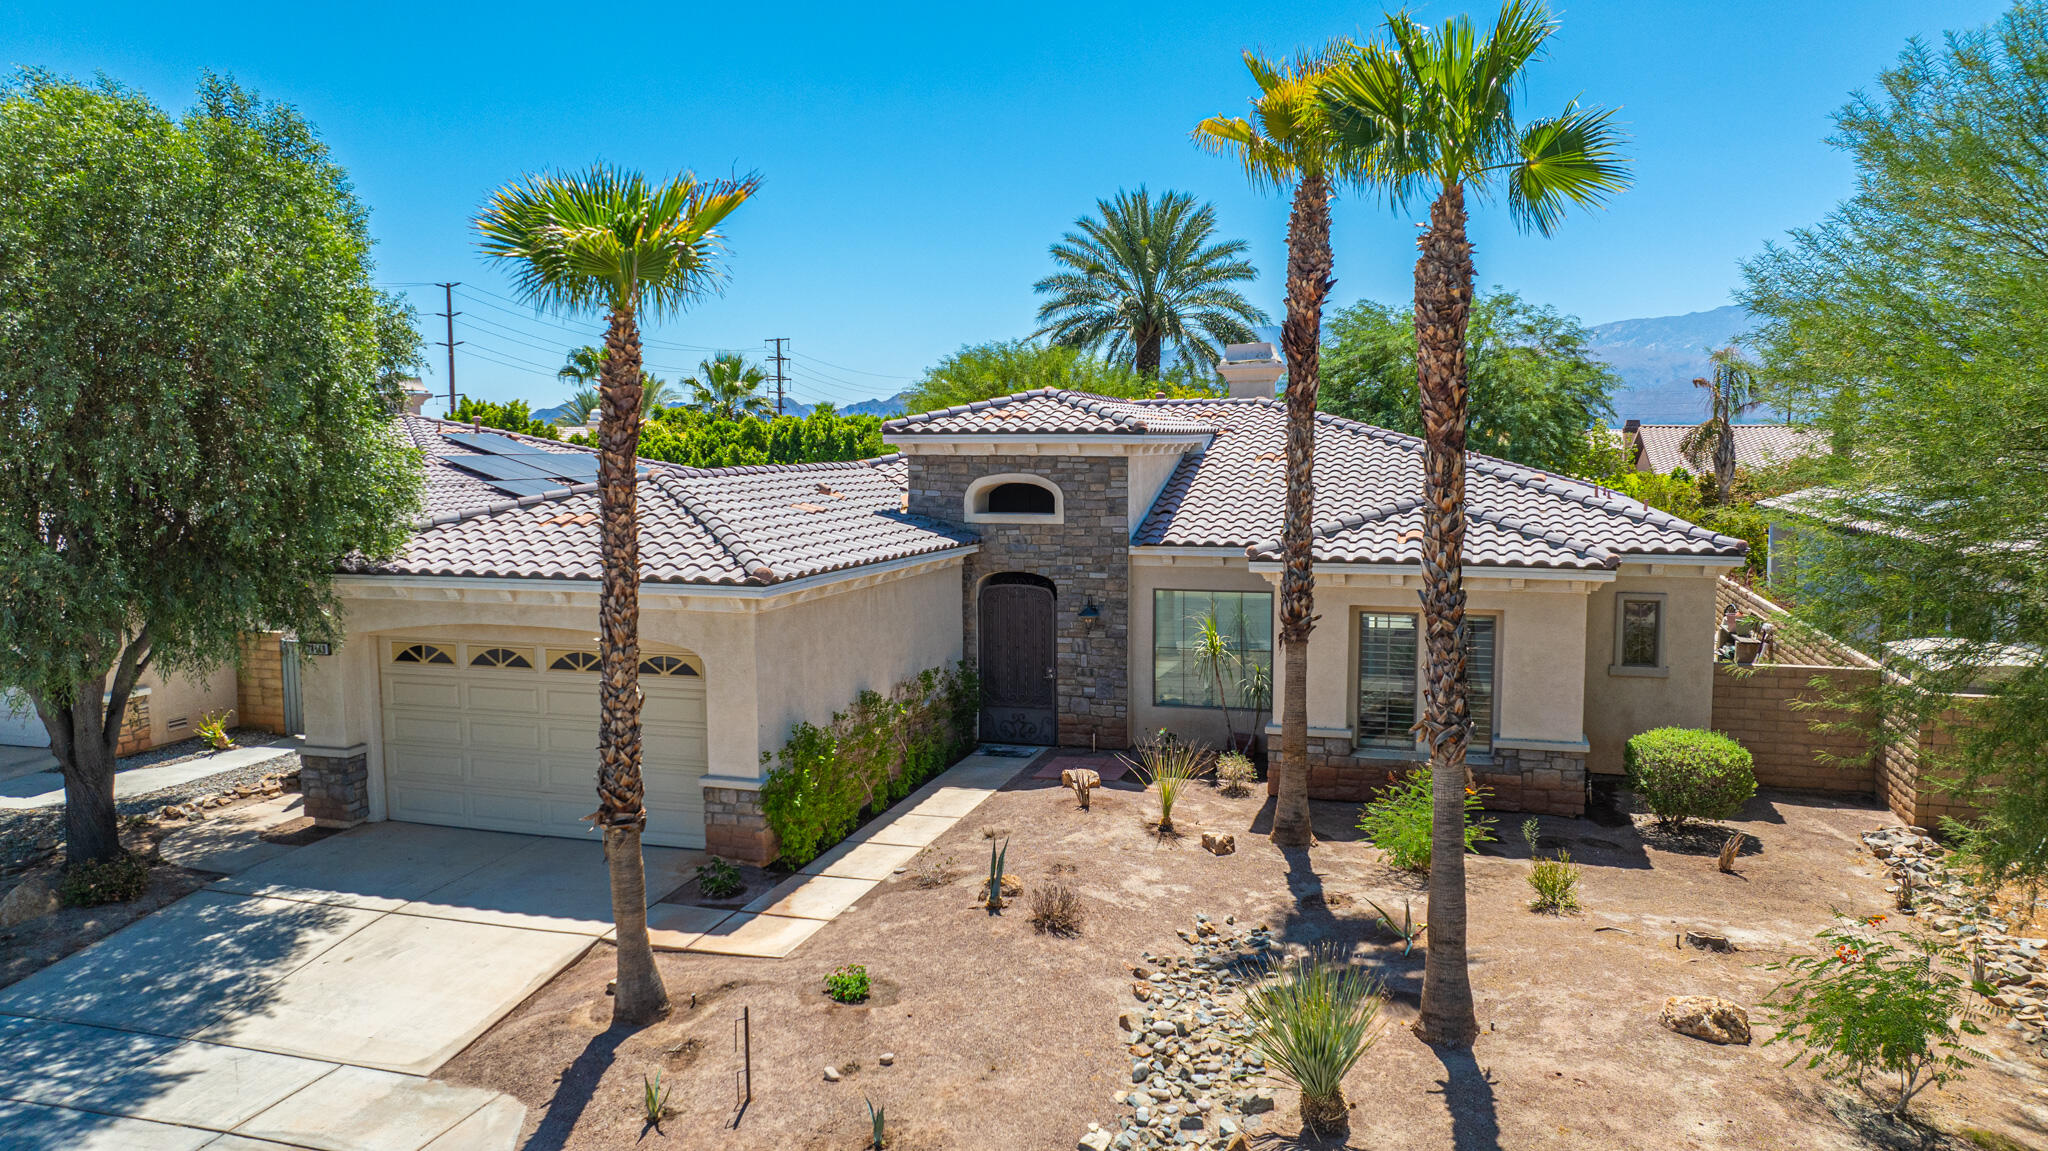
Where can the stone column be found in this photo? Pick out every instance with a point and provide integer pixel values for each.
(735, 828)
(336, 784)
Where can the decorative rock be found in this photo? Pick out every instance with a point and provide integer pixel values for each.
(831, 1074)
(1218, 843)
(1258, 1102)
(32, 898)
(1709, 941)
(886, 1058)
(1706, 1017)
(1094, 1140)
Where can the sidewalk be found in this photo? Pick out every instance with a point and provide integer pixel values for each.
(46, 788)
(777, 922)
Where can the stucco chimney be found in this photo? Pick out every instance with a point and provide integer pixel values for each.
(415, 394)
(1251, 370)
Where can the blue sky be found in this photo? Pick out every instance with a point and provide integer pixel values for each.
(918, 160)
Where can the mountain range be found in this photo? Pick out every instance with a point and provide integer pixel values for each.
(1656, 357)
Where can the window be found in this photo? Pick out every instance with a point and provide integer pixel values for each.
(1014, 499)
(1639, 632)
(1244, 619)
(1479, 665)
(573, 661)
(420, 653)
(1386, 679)
(665, 665)
(499, 657)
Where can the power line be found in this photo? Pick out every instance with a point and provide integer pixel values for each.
(855, 371)
(781, 362)
(449, 313)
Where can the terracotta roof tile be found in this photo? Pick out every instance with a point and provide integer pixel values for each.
(1755, 445)
(1049, 411)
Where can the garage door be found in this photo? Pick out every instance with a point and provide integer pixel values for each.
(503, 736)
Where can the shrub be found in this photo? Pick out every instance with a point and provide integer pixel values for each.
(213, 730)
(1236, 773)
(1684, 774)
(1555, 881)
(869, 756)
(1056, 908)
(719, 880)
(930, 869)
(97, 881)
(1169, 765)
(1312, 1022)
(848, 983)
(1885, 1002)
(1399, 821)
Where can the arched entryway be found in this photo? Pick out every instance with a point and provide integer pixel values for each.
(1019, 660)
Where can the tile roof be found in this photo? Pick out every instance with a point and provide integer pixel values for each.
(1368, 489)
(732, 526)
(1050, 411)
(1755, 445)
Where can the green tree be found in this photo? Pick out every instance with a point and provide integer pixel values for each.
(701, 440)
(511, 416)
(195, 426)
(1913, 321)
(1285, 143)
(612, 241)
(983, 371)
(1431, 113)
(1143, 276)
(400, 350)
(1538, 396)
(729, 388)
(1731, 391)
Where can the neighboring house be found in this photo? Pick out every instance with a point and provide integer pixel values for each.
(1654, 447)
(259, 691)
(1065, 544)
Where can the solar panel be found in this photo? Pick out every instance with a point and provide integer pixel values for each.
(491, 442)
(518, 468)
(498, 467)
(527, 487)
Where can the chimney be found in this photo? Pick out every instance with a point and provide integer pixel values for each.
(1631, 427)
(1251, 370)
(415, 394)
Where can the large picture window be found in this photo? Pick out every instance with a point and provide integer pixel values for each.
(1386, 679)
(1180, 678)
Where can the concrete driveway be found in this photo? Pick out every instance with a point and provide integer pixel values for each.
(302, 1001)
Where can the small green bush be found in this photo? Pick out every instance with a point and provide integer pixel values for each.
(1235, 773)
(1399, 821)
(1555, 881)
(94, 882)
(848, 984)
(719, 879)
(1684, 774)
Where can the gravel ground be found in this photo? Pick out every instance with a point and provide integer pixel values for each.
(27, 836)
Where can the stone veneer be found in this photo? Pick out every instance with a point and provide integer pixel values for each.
(735, 828)
(336, 787)
(1087, 558)
(134, 735)
(1521, 779)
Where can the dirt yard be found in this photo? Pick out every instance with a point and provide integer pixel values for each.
(1004, 1038)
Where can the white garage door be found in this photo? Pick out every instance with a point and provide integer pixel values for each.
(503, 736)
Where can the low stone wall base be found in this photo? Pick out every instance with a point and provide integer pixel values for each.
(735, 829)
(336, 787)
(1520, 779)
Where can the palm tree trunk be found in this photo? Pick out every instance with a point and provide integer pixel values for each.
(1724, 461)
(1301, 336)
(639, 997)
(1149, 345)
(1443, 310)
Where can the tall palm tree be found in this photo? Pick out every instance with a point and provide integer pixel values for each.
(583, 367)
(728, 387)
(1287, 142)
(586, 365)
(1145, 275)
(613, 241)
(1731, 392)
(1430, 113)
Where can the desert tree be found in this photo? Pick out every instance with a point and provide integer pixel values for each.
(617, 243)
(195, 392)
(1430, 115)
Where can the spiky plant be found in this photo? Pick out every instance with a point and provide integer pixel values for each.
(1312, 1020)
(1170, 765)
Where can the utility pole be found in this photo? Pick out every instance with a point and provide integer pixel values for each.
(449, 313)
(781, 362)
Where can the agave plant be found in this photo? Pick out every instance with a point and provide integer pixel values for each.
(1312, 1020)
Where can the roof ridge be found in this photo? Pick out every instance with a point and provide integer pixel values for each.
(474, 428)
(549, 496)
(961, 409)
(721, 532)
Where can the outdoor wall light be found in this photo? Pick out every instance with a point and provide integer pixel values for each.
(1091, 613)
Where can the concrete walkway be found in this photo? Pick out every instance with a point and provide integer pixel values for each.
(778, 922)
(46, 788)
(301, 1002)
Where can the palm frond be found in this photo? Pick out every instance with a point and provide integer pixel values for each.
(1573, 159)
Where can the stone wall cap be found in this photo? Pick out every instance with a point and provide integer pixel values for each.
(328, 752)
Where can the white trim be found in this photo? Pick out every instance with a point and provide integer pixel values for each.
(1405, 572)
(1153, 555)
(976, 491)
(584, 593)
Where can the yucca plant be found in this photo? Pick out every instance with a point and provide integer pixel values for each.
(998, 857)
(654, 1100)
(1312, 1020)
(878, 1139)
(1170, 765)
(1407, 929)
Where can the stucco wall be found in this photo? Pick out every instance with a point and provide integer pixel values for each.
(186, 697)
(1186, 573)
(1621, 704)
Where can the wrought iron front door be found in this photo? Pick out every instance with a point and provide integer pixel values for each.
(1019, 688)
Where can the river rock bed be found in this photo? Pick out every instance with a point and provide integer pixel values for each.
(1925, 887)
(1194, 1083)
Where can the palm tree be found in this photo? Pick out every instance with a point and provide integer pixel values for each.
(586, 364)
(1287, 142)
(1731, 392)
(583, 403)
(1145, 275)
(728, 387)
(1429, 113)
(613, 241)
